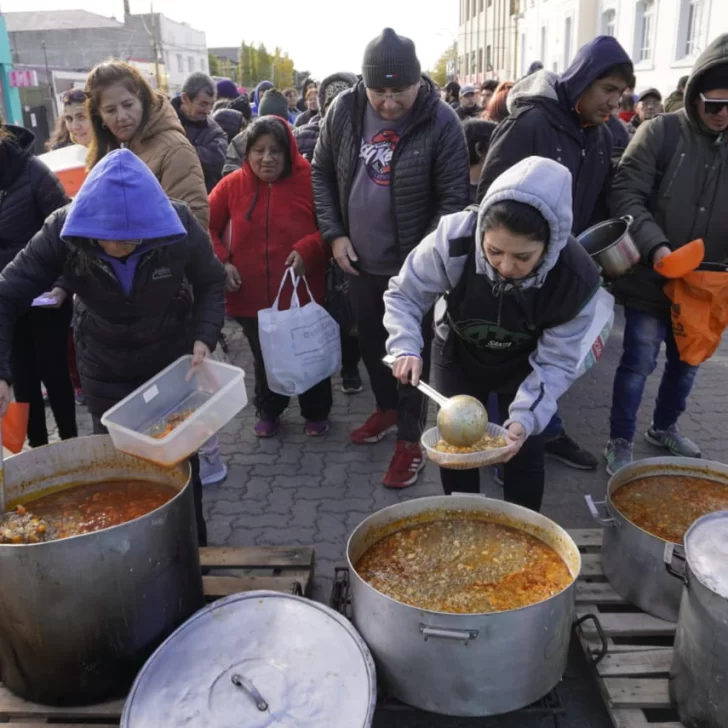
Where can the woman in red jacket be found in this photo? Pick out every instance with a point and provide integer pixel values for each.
(261, 221)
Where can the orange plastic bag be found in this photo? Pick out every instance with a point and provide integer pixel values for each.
(682, 261)
(15, 426)
(699, 313)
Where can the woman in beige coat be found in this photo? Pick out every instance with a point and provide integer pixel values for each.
(126, 112)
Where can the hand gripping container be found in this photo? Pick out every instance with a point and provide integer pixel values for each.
(213, 396)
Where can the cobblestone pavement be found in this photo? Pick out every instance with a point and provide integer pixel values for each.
(294, 490)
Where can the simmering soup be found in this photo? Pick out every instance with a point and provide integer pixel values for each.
(464, 565)
(82, 509)
(667, 505)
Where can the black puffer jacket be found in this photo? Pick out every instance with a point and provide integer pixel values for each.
(29, 192)
(210, 143)
(430, 167)
(306, 137)
(178, 297)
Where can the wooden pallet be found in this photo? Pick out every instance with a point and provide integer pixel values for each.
(633, 677)
(230, 570)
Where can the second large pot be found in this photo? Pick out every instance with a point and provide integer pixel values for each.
(633, 559)
(464, 664)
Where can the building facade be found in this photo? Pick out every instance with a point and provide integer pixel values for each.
(664, 37)
(551, 31)
(487, 40)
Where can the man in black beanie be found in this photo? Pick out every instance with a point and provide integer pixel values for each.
(673, 180)
(390, 161)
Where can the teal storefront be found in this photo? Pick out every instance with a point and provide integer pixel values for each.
(10, 107)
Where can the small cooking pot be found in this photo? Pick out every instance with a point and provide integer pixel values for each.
(611, 246)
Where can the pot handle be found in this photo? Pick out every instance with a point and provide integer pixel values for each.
(628, 219)
(673, 551)
(459, 635)
(247, 686)
(593, 507)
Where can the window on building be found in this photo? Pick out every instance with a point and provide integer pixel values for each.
(473, 67)
(488, 58)
(544, 34)
(522, 51)
(480, 60)
(694, 40)
(645, 25)
(190, 64)
(567, 41)
(480, 6)
(203, 65)
(490, 3)
(180, 63)
(609, 22)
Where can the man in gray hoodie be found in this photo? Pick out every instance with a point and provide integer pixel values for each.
(516, 301)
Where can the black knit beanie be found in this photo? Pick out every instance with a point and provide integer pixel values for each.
(274, 103)
(390, 60)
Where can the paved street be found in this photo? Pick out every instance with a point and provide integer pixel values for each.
(295, 490)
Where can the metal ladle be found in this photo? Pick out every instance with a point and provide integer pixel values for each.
(462, 420)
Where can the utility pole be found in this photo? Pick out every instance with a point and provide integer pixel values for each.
(155, 47)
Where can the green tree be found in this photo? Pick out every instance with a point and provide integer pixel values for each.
(439, 72)
(282, 69)
(214, 63)
(263, 63)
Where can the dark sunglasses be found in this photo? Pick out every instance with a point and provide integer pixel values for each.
(74, 96)
(714, 106)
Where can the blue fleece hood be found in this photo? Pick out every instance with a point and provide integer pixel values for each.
(590, 62)
(122, 200)
(256, 94)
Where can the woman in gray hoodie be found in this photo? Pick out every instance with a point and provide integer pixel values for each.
(516, 298)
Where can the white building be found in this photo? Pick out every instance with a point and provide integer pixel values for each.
(487, 40)
(551, 31)
(180, 49)
(664, 37)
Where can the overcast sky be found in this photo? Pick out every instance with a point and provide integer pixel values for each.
(322, 36)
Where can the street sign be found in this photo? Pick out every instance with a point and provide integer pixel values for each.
(23, 79)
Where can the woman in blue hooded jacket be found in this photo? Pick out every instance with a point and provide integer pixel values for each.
(517, 298)
(148, 286)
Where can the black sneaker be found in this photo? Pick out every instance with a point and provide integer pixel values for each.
(351, 383)
(567, 451)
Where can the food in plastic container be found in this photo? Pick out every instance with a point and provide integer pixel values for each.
(197, 405)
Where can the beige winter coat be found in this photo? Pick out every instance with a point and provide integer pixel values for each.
(164, 148)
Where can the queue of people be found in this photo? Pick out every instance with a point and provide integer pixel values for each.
(437, 228)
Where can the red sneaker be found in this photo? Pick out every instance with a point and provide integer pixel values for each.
(375, 428)
(406, 465)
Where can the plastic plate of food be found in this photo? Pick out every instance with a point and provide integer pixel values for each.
(489, 450)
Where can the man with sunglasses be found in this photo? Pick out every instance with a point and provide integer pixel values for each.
(390, 161)
(673, 179)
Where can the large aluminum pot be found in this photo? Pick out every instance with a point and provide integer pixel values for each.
(632, 558)
(699, 671)
(611, 246)
(464, 664)
(78, 617)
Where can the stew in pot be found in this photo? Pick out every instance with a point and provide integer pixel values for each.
(667, 505)
(80, 509)
(464, 565)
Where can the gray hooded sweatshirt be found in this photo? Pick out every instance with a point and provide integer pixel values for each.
(429, 272)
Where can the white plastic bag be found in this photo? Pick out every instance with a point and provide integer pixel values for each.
(592, 345)
(300, 346)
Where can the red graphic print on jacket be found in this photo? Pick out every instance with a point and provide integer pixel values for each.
(268, 221)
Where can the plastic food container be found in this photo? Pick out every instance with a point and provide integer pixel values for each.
(465, 461)
(205, 404)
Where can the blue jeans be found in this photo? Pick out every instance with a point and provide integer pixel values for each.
(643, 335)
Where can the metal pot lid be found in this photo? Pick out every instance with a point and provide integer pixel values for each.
(706, 548)
(256, 660)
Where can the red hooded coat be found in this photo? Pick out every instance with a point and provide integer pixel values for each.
(267, 221)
